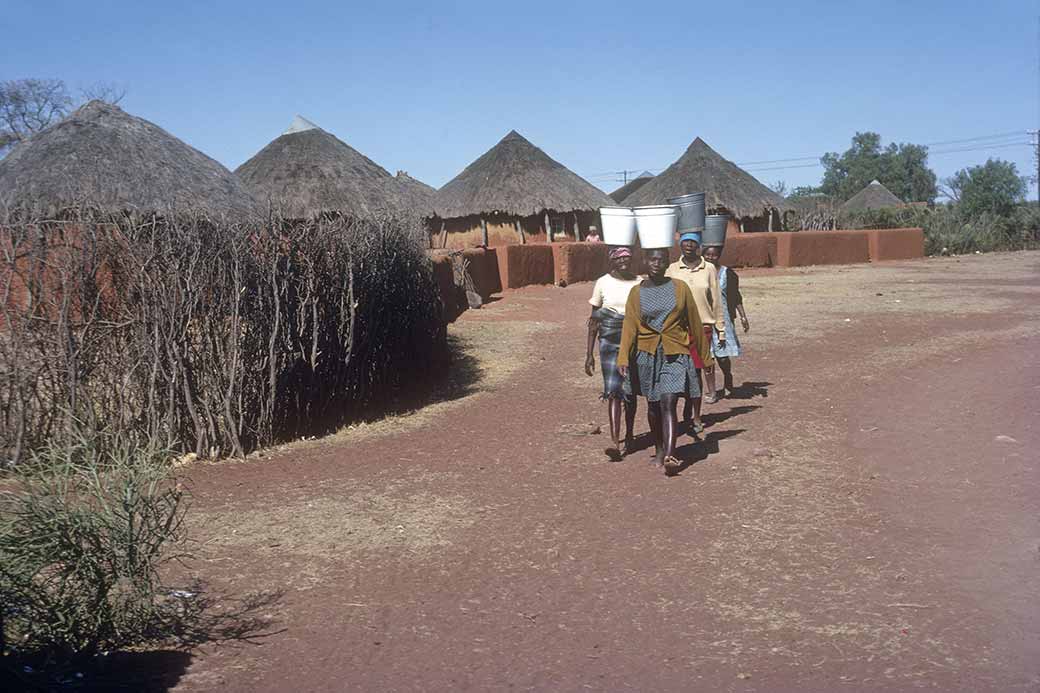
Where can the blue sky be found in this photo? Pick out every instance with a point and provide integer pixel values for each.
(427, 87)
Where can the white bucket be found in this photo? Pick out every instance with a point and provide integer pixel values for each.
(619, 225)
(656, 225)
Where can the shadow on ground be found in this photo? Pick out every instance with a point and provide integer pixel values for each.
(205, 617)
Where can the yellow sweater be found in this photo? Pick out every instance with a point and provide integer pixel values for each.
(676, 335)
(703, 280)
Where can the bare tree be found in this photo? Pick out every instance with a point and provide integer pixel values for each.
(109, 92)
(28, 106)
(780, 188)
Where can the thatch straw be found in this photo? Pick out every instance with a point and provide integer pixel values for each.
(307, 172)
(874, 196)
(727, 186)
(119, 163)
(516, 178)
(631, 186)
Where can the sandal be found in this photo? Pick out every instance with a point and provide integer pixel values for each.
(696, 428)
(711, 399)
(671, 466)
(614, 453)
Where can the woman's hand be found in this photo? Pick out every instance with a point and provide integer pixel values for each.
(744, 322)
(590, 365)
(623, 370)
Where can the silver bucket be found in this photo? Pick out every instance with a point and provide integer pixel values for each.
(691, 211)
(715, 229)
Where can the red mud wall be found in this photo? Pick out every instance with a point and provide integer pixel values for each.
(522, 265)
(483, 268)
(895, 244)
(800, 248)
(750, 250)
(453, 301)
(578, 262)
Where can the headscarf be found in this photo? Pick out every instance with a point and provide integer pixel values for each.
(691, 236)
(620, 251)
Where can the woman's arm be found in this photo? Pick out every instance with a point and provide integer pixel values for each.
(590, 361)
(737, 300)
(629, 330)
(695, 326)
(716, 304)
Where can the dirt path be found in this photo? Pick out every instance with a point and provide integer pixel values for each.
(853, 521)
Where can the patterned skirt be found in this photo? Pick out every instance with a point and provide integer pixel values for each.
(658, 374)
(732, 347)
(610, 324)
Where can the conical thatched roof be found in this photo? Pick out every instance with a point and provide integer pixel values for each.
(631, 186)
(116, 162)
(517, 178)
(727, 186)
(419, 196)
(874, 196)
(307, 171)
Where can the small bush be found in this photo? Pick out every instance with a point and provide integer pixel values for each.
(84, 532)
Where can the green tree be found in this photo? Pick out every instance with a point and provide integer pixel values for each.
(993, 187)
(902, 168)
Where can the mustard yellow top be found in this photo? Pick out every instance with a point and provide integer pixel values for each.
(703, 280)
(675, 336)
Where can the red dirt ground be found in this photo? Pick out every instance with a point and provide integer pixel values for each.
(852, 522)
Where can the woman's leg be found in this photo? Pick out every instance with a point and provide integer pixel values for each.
(697, 425)
(669, 423)
(709, 384)
(727, 372)
(614, 413)
(630, 420)
(653, 417)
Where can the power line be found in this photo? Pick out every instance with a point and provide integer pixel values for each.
(814, 161)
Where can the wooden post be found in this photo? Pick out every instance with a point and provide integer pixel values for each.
(577, 231)
(520, 232)
(548, 228)
(742, 226)
(444, 234)
(770, 221)
(483, 227)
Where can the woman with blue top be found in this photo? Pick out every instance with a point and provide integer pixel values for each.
(732, 305)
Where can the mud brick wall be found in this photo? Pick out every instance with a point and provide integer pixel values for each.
(523, 265)
(895, 244)
(578, 262)
(801, 248)
(483, 268)
(750, 250)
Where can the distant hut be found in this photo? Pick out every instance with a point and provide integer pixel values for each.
(729, 189)
(631, 186)
(515, 193)
(115, 163)
(874, 196)
(307, 171)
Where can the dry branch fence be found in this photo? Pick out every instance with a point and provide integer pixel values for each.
(205, 335)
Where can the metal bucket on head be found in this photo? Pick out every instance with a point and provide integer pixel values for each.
(656, 225)
(691, 211)
(715, 229)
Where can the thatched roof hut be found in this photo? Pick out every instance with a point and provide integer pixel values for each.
(514, 193)
(631, 186)
(114, 162)
(874, 196)
(307, 171)
(728, 188)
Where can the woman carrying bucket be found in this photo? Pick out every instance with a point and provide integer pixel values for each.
(732, 304)
(700, 277)
(660, 330)
(609, 300)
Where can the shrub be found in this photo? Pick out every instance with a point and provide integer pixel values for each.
(83, 533)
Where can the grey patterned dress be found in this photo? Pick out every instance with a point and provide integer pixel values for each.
(660, 373)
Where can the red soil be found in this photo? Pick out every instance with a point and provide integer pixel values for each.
(851, 523)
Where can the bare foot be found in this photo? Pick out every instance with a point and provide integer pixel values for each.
(614, 453)
(671, 466)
